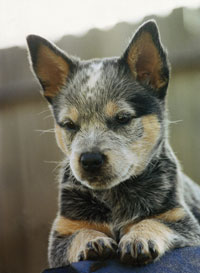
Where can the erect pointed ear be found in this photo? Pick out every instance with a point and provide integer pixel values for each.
(146, 58)
(51, 66)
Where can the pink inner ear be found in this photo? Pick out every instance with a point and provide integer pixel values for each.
(52, 70)
(146, 65)
(145, 62)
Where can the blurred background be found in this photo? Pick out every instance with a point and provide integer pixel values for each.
(29, 155)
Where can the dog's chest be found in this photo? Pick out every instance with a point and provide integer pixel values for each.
(122, 205)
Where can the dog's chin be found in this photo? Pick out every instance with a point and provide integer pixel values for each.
(102, 183)
(96, 183)
(102, 180)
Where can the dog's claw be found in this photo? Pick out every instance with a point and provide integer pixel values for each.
(152, 249)
(102, 248)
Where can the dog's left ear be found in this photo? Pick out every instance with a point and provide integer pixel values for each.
(147, 59)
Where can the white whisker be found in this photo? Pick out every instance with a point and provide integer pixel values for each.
(42, 112)
(174, 121)
(45, 131)
(50, 116)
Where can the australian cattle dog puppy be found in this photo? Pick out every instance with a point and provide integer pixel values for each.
(122, 192)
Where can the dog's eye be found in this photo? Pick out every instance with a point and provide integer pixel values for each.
(70, 125)
(123, 118)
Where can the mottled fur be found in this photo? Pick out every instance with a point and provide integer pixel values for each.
(122, 192)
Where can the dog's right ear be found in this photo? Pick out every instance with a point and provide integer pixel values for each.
(50, 65)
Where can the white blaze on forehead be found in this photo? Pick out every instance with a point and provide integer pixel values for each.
(94, 73)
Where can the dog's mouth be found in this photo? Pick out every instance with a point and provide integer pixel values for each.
(103, 180)
(95, 181)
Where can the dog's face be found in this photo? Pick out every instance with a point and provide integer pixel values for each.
(109, 113)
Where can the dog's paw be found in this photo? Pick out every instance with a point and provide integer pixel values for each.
(98, 249)
(145, 242)
(138, 251)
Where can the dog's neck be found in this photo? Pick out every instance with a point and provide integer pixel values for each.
(146, 193)
(162, 163)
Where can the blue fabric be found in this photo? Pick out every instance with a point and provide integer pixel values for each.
(184, 260)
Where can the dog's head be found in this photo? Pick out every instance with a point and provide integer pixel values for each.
(109, 113)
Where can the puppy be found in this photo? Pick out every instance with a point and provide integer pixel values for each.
(122, 192)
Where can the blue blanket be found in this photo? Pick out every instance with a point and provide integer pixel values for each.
(184, 260)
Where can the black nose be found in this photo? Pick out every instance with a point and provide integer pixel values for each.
(92, 161)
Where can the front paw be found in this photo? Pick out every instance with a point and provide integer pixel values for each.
(145, 241)
(138, 251)
(99, 248)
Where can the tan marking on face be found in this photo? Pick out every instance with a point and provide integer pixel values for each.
(151, 127)
(111, 109)
(145, 144)
(68, 113)
(73, 114)
(60, 137)
(173, 215)
(65, 226)
(52, 69)
(145, 62)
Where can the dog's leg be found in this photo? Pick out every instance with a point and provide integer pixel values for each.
(74, 240)
(149, 239)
